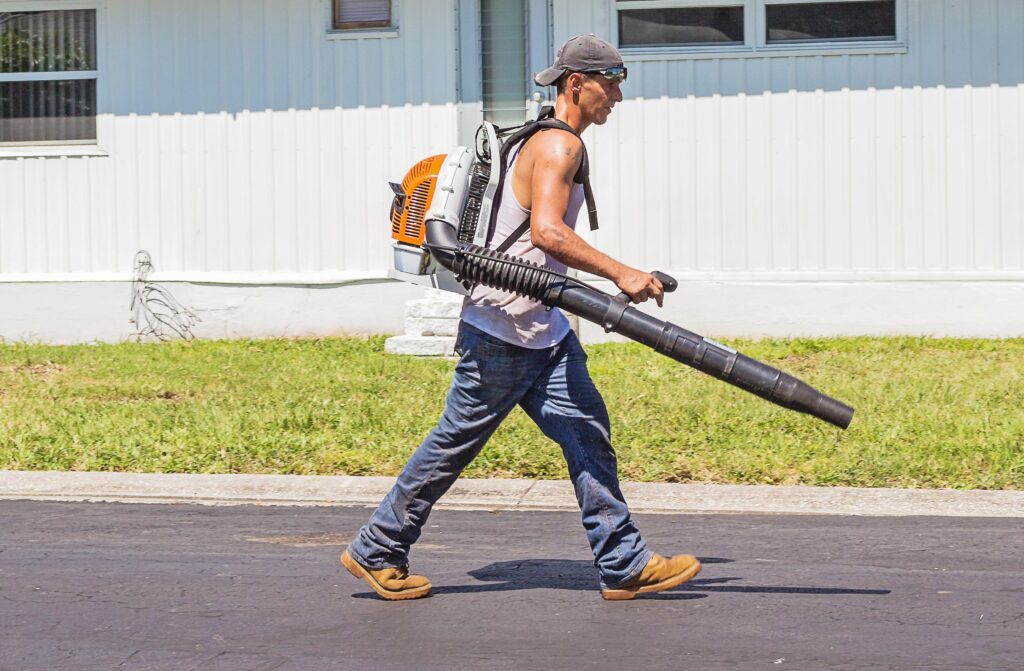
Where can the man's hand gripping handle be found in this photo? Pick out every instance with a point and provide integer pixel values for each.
(617, 306)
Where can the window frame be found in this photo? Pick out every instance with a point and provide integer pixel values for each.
(755, 33)
(362, 26)
(87, 147)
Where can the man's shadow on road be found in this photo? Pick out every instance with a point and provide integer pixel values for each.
(571, 574)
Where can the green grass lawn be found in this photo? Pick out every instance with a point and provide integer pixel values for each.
(930, 413)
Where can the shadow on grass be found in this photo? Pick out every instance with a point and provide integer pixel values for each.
(567, 574)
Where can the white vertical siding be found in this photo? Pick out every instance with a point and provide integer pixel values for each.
(242, 138)
(851, 164)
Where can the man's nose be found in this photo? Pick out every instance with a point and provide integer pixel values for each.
(617, 93)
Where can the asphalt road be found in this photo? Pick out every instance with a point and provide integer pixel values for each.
(180, 587)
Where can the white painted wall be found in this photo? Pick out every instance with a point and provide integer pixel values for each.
(809, 194)
(853, 167)
(236, 137)
(246, 148)
(824, 195)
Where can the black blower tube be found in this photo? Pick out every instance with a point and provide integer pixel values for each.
(476, 265)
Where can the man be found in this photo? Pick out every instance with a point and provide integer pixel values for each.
(515, 351)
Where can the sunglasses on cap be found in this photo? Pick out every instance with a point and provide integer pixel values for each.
(616, 74)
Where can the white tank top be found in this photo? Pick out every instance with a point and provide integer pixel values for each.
(514, 319)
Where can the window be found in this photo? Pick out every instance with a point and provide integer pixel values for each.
(830, 22)
(503, 53)
(48, 76)
(758, 25)
(680, 25)
(357, 14)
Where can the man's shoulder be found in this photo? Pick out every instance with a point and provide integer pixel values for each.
(558, 147)
(556, 137)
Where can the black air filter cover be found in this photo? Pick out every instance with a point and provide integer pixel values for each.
(479, 174)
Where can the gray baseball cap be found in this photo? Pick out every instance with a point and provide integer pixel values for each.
(580, 54)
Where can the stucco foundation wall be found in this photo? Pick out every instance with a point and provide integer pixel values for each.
(84, 312)
(784, 309)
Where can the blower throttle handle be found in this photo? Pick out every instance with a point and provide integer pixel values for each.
(668, 284)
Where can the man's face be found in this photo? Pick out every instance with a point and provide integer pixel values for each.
(598, 95)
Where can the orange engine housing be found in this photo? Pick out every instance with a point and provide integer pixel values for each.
(409, 208)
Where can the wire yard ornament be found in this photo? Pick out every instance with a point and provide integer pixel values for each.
(155, 312)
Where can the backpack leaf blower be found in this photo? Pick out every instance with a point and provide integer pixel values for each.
(442, 216)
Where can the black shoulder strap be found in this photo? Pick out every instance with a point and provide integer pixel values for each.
(583, 174)
(516, 139)
(514, 235)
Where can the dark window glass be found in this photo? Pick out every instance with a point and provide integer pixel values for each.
(48, 111)
(59, 41)
(680, 26)
(832, 21)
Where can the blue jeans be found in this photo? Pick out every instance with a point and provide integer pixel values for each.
(554, 387)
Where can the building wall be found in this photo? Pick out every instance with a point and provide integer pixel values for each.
(238, 141)
(854, 167)
(247, 149)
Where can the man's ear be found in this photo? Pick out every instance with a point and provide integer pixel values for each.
(574, 86)
(574, 82)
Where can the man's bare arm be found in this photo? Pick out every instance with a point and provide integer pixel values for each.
(557, 158)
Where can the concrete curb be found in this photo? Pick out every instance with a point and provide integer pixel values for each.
(327, 490)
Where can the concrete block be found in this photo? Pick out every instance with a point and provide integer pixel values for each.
(435, 308)
(431, 326)
(420, 345)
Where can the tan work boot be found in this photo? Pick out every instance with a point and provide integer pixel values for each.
(393, 584)
(661, 573)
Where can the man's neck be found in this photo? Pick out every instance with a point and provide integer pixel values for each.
(567, 112)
